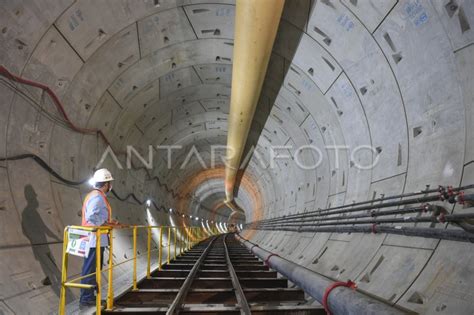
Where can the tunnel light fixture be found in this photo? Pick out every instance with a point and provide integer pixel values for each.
(91, 182)
(148, 202)
(183, 215)
(171, 210)
(197, 218)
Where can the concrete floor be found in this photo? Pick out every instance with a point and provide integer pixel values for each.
(395, 75)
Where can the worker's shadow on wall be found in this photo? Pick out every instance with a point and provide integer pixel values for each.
(37, 231)
(272, 84)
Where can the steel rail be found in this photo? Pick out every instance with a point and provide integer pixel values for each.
(183, 291)
(239, 292)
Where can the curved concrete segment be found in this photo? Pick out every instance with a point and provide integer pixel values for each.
(361, 99)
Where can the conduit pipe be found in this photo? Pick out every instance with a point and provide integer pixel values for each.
(341, 300)
(442, 218)
(436, 233)
(256, 25)
(459, 198)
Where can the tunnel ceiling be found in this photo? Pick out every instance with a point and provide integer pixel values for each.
(159, 73)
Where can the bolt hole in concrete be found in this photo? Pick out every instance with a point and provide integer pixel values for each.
(416, 298)
(416, 132)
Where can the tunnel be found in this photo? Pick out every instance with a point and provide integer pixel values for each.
(363, 107)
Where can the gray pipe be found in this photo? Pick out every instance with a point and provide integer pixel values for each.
(341, 300)
(436, 233)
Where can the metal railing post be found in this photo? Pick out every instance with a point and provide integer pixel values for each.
(169, 245)
(148, 243)
(98, 273)
(191, 237)
(135, 259)
(175, 230)
(110, 289)
(62, 300)
(160, 250)
(188, 238)
(183, 239)
(179, 241)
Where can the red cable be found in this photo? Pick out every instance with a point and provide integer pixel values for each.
(442, 218)
(4, 72)
(373, 228)
(348, 284)
(268, 258)
(251, 248)
(59, 106)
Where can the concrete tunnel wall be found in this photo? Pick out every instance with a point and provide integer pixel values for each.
(396, 75)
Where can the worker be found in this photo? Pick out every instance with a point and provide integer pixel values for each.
(96, 211)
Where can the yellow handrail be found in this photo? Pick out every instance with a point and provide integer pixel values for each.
(174, 251)
(148, 262)
(186, 236)
(110, 291)
(98, 274)
(169, 245)
(134, 259)
(160, 251)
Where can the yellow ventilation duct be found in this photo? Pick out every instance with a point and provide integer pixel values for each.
(256, 25)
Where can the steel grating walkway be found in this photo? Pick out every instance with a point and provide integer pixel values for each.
(217, 276)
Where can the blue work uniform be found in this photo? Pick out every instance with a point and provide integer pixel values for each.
(95, 213)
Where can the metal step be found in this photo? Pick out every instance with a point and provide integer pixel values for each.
(177, 282)
(180, 266)
(217, 309)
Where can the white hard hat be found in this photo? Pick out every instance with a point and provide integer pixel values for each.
(102, 175)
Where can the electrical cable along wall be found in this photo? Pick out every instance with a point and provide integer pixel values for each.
(65, 121)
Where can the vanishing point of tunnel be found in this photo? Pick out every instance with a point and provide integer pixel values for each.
(309, 156)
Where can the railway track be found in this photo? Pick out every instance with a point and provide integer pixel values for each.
(217, 276)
